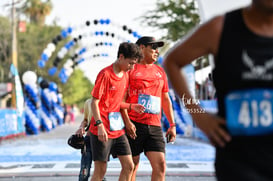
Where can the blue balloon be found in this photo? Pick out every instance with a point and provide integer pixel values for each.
(80, 61)
(160, 60)
(104, 55)
(32, 108)
(63, 70)
(62, 74)
(65, 74)
(64, 34)
(71, 43)
(97, 33)
(36, 98)
(135, 34)
(41, 63)
(107, 21)
(69, 30)
(26, 87)
(52, 86)
(44, 57)
(32, 93)
(82, 51)
(52, 71)
(63, 80)
(67, 46)
(101, 21)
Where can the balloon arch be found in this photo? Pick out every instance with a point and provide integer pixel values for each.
(43, 102)
(102, 35)
(94, 40)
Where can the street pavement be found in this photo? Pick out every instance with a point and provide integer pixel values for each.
(47, 156)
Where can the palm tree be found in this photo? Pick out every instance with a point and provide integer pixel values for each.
(37, 10)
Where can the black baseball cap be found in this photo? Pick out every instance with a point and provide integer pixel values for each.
(146, 40)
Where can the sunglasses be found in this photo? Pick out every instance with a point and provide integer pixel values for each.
(154, 46)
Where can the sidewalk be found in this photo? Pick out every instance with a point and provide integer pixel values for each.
(48, 155)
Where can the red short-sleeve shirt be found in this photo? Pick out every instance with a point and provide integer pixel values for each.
(109, 89)
(150, 80)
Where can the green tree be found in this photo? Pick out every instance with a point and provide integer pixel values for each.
(5, 48)
(37, 10)
(31, 45)
(174, 17)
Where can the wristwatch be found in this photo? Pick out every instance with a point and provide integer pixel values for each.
(98, 122)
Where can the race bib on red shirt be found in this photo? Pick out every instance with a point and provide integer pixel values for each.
(116, 121)
(151, 103)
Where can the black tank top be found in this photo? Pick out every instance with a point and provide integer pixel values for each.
(244, 59)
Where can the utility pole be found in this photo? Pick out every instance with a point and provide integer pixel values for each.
(14, 51)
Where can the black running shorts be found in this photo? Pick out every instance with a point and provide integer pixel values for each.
(117, 147)
(149, 138)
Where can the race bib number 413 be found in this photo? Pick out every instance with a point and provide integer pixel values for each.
(249, 112)
(151, 103)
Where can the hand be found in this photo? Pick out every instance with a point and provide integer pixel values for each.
(80, 132)
(138, 108)
(212, 126)
(131, 130)
(102, 134)
(172, 132)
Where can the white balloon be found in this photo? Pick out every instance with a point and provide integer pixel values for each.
(51, 47)
(48, 52)
(53, 96)
(47, 93)
(64, 50)
(29, 77)
(69, 71)
(60, 95)
(34, 87)
(68, 64)
(60, 54)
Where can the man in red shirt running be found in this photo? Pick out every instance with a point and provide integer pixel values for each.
(107, 126)
(148, 86)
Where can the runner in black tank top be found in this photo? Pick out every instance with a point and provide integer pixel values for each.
(244, 62)
(242, 44)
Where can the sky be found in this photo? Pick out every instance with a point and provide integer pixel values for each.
(74, 13)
